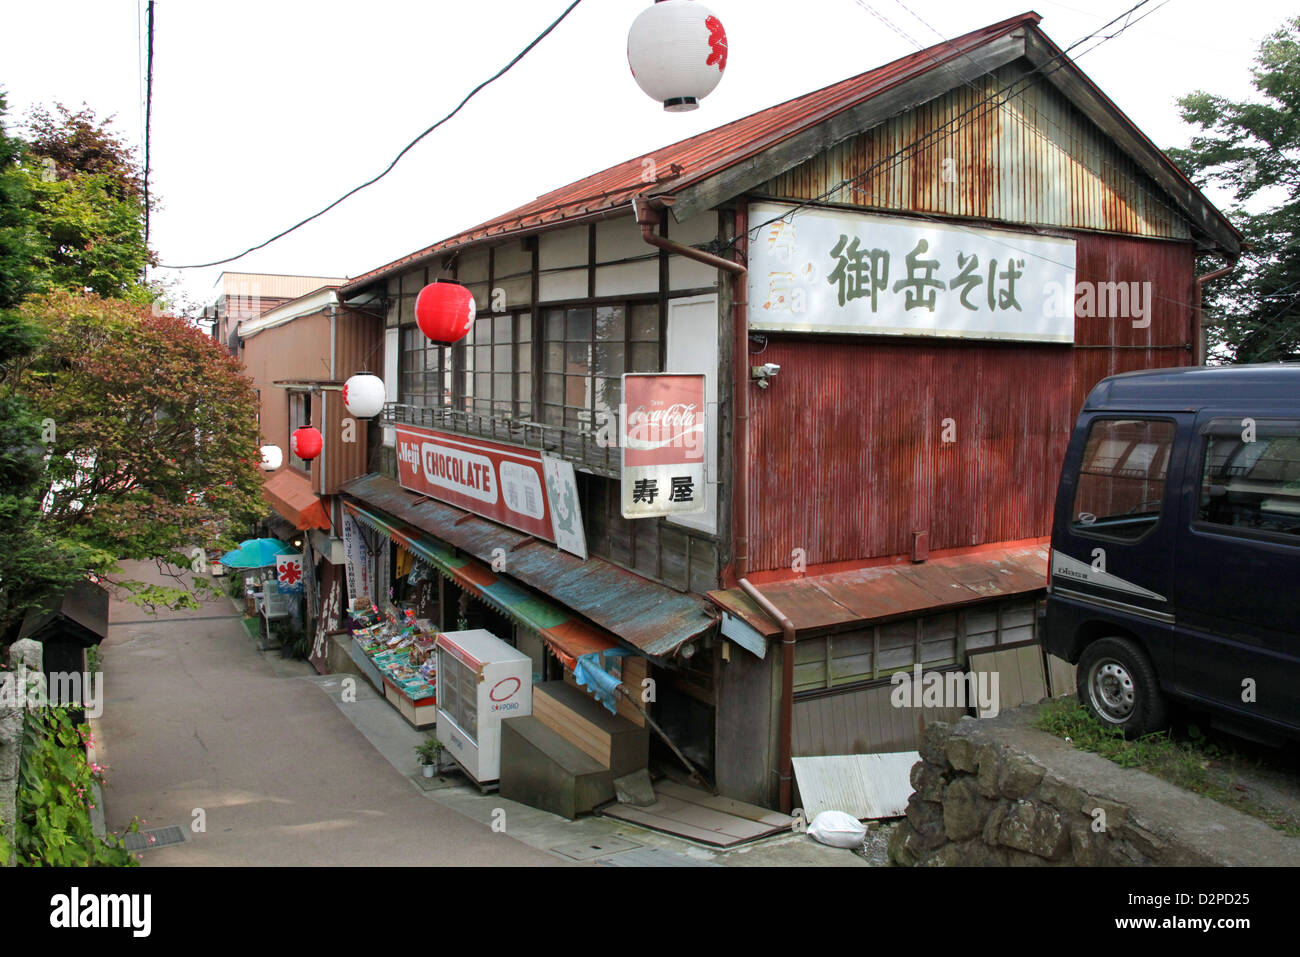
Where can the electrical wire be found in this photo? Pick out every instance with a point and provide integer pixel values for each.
(406, 149)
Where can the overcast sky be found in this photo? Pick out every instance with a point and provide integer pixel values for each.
(266, 111)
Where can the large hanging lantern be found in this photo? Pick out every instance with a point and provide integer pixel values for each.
(306, 443)
(444, 311)
(677, 50)
(272, 457)
(364, 395)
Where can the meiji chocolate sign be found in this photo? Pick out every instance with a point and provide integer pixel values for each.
(501, 482)
(663, 444)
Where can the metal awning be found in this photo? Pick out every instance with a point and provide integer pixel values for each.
(652, 619)
(291, 496)
(866, 595)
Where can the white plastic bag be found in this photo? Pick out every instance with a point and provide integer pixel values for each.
(837, 829)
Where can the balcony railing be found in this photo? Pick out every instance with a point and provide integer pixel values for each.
(587, 448)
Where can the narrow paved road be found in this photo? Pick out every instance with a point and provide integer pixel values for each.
(196, 718)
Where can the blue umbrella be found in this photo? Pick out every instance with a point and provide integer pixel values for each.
(255, 553)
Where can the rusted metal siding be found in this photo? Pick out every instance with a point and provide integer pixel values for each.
(863, 721)
(1036, 159)
(847, 445)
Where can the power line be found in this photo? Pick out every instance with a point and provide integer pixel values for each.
(406, 149)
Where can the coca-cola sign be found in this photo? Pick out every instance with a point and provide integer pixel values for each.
(663, 442)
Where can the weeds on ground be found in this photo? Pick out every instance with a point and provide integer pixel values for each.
(1192, 762)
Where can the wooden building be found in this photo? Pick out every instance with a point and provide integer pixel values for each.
(899, 289)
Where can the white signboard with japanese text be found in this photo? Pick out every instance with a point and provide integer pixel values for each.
(664, 442)
(840, 271)
(566, 511)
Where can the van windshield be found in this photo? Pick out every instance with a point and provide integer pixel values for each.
(1121, 483)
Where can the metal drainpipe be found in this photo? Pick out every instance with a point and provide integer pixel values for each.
(648, 219)
(785, 761)
(1198, 328)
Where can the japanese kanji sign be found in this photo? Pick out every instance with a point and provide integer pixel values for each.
(663, 441)
(504, 483)
(820, 270)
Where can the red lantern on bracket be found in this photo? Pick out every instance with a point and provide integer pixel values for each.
(444, 311)
(306, 443)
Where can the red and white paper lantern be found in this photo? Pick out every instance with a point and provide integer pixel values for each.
(272, 457)
(364, 395)
(444, 311)
(306, 443)
(677, 50)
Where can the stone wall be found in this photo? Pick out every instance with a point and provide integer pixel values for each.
(24, 657)
(999, 792)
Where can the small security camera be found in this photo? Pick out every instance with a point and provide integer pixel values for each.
(761, 374)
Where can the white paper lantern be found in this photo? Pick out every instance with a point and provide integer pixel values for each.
(272, 457)
(364, 395)
(677, 50)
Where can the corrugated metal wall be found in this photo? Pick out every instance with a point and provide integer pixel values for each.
(847, 450)
(1035, 159)
(861, 722)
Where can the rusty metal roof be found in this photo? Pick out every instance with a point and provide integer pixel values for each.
(652, 618)
(697, 158)
(867, 595)
(702, 155)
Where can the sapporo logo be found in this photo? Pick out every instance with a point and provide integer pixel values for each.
(75, 910)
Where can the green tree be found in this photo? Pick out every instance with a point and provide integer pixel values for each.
(87, 202)
(1252, 148)
(156, 445)
(32, 561)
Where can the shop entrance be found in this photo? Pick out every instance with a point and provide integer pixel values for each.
(458, 604)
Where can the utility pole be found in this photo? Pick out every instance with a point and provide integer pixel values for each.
(148, 110)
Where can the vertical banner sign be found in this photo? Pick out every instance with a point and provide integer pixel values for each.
(663, 441)
(356, 560)
(837, 271)
(566, 512)
(288, 574)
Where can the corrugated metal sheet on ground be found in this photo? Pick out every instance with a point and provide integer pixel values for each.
(649, 617)
(699, 816)
(887, 591)
(863, 785)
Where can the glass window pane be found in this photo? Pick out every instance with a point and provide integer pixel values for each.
(577, 357)
(483, 358)
(554, 389)
(1121, 483)
(501, 356)
(483, 329)
(555, 357)
(1254, 485)
(502, 329)
(609, 359)
(610, 323)
(555, 324)
(524, 382)
(482, 384)
(553, 414)
(524, 356)
(577, 390)
(578, 325)
(524, 327)
(645, 357)
(502, 388)
(645, 322)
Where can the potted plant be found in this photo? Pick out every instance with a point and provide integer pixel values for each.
(430, 754)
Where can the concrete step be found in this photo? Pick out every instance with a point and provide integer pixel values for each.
(543, 770)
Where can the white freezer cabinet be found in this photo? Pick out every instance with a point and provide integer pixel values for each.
(481, 680)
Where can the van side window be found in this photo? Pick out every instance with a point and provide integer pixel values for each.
(1251, 476)
(1122, 477)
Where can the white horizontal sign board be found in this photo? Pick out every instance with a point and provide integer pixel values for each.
(839, 271)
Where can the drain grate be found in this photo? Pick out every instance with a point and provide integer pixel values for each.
(162, 837)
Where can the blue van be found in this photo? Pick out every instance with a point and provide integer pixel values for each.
(1175, 567)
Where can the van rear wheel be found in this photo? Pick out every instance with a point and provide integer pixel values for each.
(1118, 686)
